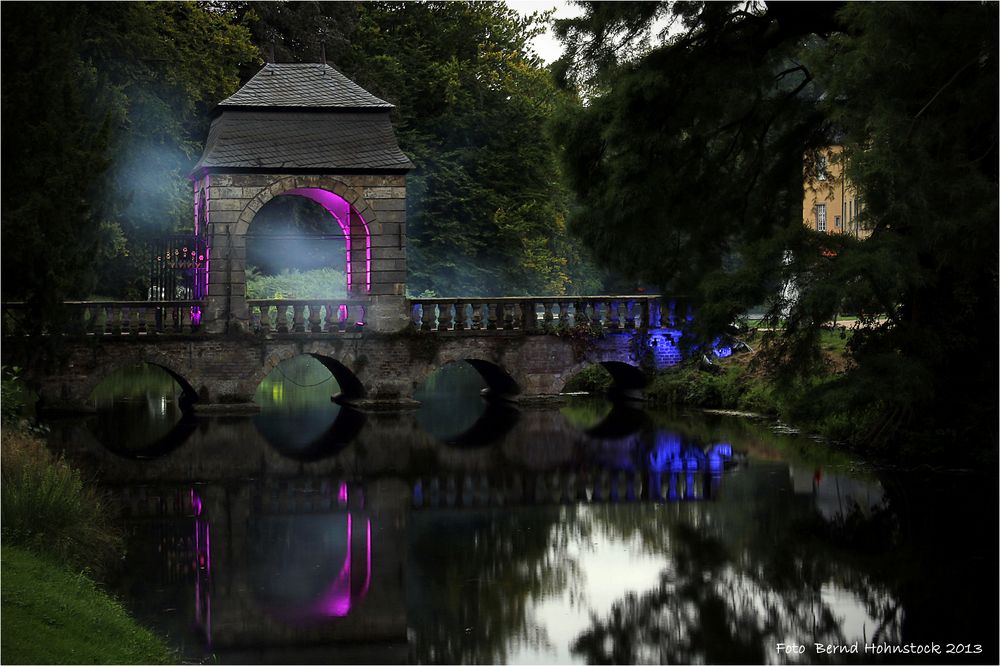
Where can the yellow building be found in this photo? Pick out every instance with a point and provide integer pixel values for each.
(830, 203)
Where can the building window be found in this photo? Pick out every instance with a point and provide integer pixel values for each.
(821, 167)
(836, 221)
(821, 217)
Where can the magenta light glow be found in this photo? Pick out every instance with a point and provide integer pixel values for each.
(336, 602)
(368, 561)
(342, 495)
(196, 504)
(341, 211)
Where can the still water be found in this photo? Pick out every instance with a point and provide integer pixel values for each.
(475, 532)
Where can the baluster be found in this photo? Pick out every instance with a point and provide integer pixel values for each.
(644, 313)
(580, 314)
(128, 321)
(265, 318)
(114, 320)
(529, 320)
(508, 316)
(282, 318)
(427, 316)
(253, 317)
(444, 316)
(329, 321)
(298, 318)
(182, 319)
(460, 316)
(547, 314)
(95, 319)
(613, 314)
(315, 322)
(491, 316)
(343, 316)
(149, 319)
(477, 316)
(563, 313)
(629, 314)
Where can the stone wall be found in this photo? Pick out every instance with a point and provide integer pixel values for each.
(226, 370)
(232, 201)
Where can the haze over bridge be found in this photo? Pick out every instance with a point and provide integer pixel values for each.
(306, 131)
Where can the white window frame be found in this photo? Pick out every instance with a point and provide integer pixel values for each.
(821, 217)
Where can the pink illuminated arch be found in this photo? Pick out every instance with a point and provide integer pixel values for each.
(341, 210)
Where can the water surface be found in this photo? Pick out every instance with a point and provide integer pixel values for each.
(476, 532)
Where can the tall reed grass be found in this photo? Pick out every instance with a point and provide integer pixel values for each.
(46, 506)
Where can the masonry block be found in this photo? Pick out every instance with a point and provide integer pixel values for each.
(388, 204)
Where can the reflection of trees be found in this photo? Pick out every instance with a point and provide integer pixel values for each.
(727, 596)
(475, 577)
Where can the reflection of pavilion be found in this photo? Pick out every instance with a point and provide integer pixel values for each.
(274, 564)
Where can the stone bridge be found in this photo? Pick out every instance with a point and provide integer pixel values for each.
(305, 131)
(524, 348)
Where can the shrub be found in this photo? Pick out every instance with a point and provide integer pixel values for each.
(593, 379)
(46, 507)
(322, 283)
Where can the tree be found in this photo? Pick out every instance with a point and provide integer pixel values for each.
(58, 115)
(688, 163)
(486, 205)
(104, 111)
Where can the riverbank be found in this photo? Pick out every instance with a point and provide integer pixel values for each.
(53, 616)
(57, 536)
(822, 404)
(831, 403)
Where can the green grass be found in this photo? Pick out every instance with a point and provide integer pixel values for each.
(47, 507)
(52, 616)
(834, 340)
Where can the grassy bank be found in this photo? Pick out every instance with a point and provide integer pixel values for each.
(57, 535)
(52, 616)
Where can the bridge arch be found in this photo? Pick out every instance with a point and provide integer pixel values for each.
(628, 380)
(499, 382)
(189, 394)
(351, 387)
(356, 218)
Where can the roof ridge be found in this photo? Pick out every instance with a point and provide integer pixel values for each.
(317, 85)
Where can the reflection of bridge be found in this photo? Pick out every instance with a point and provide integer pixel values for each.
(315, 559)
(306, 131)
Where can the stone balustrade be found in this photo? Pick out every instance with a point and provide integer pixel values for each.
(306, 315)
(527, 314)
(535, 313)
(116, 318)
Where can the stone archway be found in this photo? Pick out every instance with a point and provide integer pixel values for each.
(354, 216)
(371, 214)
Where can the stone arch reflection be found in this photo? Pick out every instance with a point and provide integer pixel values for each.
(455, 408)
(310, 568)
(298, 416)
(143, 411)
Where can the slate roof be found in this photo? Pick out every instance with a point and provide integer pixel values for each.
(303, 85)
(302, 140)
(302, 117)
